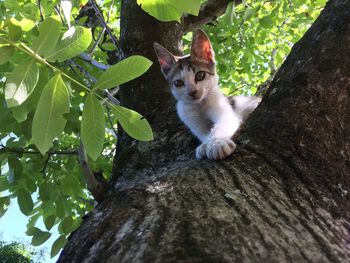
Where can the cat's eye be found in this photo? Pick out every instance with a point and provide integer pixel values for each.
(178, 83)
(200, 75)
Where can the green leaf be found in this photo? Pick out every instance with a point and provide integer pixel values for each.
(31, 231)
(25, 201)
(5, 54)
(44, 191)
(168, 10)
(49, 221)
(266, 22)
(93, 127)
(49, 33)
(73, 42)
(133, 123)
(58, 245)
(48, 121)
(15, 29)
(248, 13)
(12, 5)
(66, 225)
(4, 203)
(4, 184)
(21, 83)
(20, 112)
(60, 209)
(26, 24)
(40, 237)
(122, 72)
(229, 13)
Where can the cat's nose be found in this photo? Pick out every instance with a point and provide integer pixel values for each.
(192, 93)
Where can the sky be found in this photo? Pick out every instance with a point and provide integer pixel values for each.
(13, 227)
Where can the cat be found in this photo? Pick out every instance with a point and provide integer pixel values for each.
(204, 109)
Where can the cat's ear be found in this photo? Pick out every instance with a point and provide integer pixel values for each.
(165, 58)
(201, 48)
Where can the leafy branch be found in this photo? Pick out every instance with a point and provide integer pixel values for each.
(209, 12)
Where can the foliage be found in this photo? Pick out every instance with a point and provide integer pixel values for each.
(53, 95)
(15, 252)
(252, 40)
(52, 101)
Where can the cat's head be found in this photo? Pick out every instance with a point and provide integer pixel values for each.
(190, 77)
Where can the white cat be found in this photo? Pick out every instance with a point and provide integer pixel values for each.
(200, 103)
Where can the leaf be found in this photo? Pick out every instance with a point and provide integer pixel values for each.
(4, 184)
(12, 5)
(49, 33)
(122, 72)
(73, 42)
(4, 203)
(21, 83)
(48, 121)
(31, 231)
(133, 123)
(5, 54)
(40, 237)
(66, 225)
(168, 10)
(20, 112)
(266, 22)
(58, 245)
(248, 13)
(60, 209)
(15, 29)
(93, 127)
(44, 191)
(230, 13)
(25, 201)
(26, 24)
(49, 221)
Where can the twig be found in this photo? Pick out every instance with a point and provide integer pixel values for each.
(40, 11)
(57, 10)
(91, 78)
(109, 11)
(98, 40)
(5, 149)
(103, 22)
(46, 163)
(97, 189)
(110, 96)
(111, 123)
(209, 12)
(86, 57)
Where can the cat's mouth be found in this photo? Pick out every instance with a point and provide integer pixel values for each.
(195, 99)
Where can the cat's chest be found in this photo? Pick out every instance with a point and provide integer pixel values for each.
(194, 114)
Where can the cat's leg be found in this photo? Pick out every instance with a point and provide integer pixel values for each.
(219, 144)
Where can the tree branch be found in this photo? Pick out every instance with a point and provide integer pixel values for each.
(96, 187)
(86, 57)
(25, 151)
(104, 23)
(209, 12)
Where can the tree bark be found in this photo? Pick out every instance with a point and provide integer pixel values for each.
(283, 196)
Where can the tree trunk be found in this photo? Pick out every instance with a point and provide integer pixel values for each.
(283, 196)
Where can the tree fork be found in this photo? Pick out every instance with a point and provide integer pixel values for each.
(281, 197)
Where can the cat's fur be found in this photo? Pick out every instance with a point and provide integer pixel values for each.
(200, 103)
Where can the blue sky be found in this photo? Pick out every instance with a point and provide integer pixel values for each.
(13, 227)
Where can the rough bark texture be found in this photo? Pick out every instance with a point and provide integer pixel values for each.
(282, 197)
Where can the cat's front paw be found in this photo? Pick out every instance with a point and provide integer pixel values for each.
(218, 149)
(201, 151)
